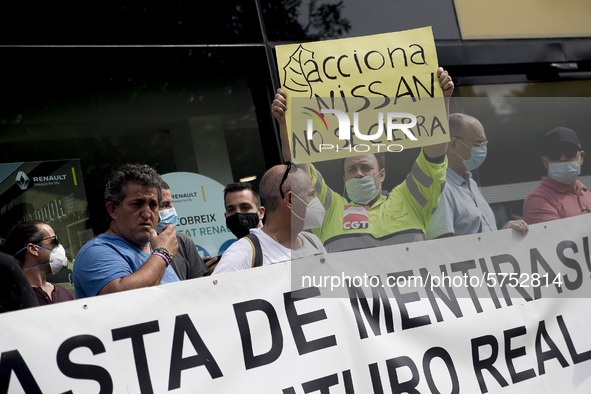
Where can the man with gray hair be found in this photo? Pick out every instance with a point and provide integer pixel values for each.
(130, 254)
(290, 208)
(462, 208)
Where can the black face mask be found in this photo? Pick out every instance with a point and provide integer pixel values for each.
(240, 223)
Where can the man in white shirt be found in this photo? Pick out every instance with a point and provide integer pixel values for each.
(290, 207)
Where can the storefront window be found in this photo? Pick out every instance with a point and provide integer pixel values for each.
(309, 20)
(515, 118)
(177, 109)
(130, 23)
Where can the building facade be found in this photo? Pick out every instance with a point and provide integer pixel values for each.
(187, 86)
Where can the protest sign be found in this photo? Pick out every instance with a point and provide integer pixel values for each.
(384, 88)
(252, 332)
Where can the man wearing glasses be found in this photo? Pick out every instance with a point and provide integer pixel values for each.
(462, 208)
(561, 194)
(290, 207)
(37, 247)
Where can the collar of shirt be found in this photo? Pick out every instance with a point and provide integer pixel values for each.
(561, 188)
(456, 178)
(380, 200)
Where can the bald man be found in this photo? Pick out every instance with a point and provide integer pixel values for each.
(462, 208)
(290, 207)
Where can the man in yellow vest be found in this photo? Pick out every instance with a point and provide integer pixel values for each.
(368, 218)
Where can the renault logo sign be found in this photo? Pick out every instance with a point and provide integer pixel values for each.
(22, 180)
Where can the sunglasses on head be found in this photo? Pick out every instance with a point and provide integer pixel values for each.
(289, 166)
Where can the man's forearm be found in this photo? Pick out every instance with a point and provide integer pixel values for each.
(150, 274)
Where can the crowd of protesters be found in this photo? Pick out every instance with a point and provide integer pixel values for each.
(296, 214)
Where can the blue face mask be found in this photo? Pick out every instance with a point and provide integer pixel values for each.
(565, 172)
(477, 157)
(167, 216)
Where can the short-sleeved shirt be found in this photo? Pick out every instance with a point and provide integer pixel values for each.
(59, 294)
(239, 255)
(400, 217)
(106, 258)
(187, 263)
(551, 200)
(462, 209)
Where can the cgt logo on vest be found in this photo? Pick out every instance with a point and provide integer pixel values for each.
(394, 121)
(355, 217)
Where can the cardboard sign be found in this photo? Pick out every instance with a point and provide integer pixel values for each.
(384, 87)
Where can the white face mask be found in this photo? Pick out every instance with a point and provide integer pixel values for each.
(57, 259)
(362, 190)
(314, 215)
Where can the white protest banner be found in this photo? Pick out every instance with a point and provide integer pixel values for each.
(252, 332)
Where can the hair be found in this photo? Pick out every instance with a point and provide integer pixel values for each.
(139, 174)
(20, 235)
(380, 157)
(239, 186)
(298, 181)
(164, 185)
(269, 186)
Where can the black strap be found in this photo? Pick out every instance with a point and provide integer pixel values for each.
(257, 254)
(303, 233)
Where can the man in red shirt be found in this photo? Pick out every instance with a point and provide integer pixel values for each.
(560, 195)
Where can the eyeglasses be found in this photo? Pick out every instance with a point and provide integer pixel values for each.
(569, 151)
(475, 144)
(56, 241)
(289, 166)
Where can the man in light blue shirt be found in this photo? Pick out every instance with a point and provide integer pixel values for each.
(462, 208)
(130, 254)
